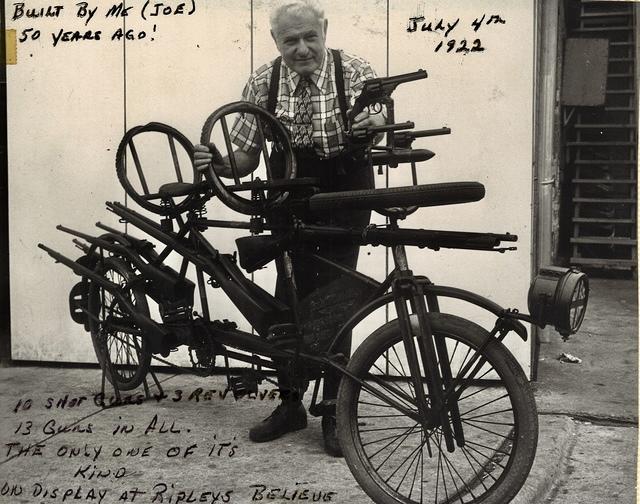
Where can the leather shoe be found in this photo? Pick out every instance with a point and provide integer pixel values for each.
(287, 417)
(329, 432)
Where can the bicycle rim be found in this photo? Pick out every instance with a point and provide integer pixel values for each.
(392, 457)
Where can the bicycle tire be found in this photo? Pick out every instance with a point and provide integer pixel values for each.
(490, 481)
(449, 193)
(112, 347)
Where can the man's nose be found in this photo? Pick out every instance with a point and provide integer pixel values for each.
(302, 48)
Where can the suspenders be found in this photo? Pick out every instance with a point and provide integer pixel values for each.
(342, 98)
(273, 86)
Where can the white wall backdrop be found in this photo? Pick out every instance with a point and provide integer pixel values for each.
(69, 106)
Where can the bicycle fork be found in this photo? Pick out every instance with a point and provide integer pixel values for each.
(433, 357)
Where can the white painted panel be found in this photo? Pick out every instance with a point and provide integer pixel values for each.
(65, 118)
(486, 98)
(205, 60)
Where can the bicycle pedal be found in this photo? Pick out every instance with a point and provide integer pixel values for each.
(243, 385)
(78, 300)
(323, 408)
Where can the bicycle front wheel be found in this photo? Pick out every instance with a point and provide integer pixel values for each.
(120, 346)
(395, 460)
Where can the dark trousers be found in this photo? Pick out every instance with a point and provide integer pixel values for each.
(336, 174)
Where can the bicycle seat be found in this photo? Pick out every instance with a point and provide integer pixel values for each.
(176, 189)
(449, 193)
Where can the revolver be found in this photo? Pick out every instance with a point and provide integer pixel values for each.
(378, 90)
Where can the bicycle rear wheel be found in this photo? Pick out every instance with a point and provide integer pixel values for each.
(121, 349)
(390, 455)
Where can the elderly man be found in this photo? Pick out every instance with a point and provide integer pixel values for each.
(308, 88)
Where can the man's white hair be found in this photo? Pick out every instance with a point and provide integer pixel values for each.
(296, 7)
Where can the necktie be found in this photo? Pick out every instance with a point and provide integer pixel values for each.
(303, 127)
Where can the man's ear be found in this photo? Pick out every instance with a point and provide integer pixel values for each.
(326, 25)
(273, 36)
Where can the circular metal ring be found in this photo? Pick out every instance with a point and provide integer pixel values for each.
(147, 199)
(268, 128)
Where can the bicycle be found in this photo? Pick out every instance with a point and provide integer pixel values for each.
(431, 407)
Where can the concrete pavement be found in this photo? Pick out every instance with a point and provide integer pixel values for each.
(599, 397)
(80, 452)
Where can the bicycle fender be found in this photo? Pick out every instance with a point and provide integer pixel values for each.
(480, 301)
(437, 291)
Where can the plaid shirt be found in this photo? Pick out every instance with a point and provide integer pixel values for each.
(328, 129)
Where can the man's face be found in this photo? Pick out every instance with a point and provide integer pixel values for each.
(300, 39)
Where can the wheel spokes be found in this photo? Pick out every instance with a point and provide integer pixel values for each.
(119, 340)
(398, 456)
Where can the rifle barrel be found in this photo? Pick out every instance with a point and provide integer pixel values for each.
(411, 237)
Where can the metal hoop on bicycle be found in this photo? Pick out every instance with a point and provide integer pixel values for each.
(265, 194)
(149, 197)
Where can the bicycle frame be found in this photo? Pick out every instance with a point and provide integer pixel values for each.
(263, 310)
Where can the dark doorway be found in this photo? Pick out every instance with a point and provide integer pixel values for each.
(599, 187)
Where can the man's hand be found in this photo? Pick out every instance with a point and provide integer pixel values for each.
(364, 120)
(203, 155)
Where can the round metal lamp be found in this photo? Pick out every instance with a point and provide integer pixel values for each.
(558, 296)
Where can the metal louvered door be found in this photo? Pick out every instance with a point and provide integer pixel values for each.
(601, 146)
